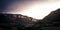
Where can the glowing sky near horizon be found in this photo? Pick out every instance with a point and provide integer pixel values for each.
(35, 9)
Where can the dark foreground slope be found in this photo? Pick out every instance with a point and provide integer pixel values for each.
(52, 21)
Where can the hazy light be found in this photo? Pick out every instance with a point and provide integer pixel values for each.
(40, 12)
(37, 10)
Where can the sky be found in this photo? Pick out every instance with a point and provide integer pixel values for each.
(37, 9)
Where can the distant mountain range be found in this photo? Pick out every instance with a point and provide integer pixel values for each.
(17, 19)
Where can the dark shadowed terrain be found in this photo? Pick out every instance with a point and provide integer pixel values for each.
(21, 22)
